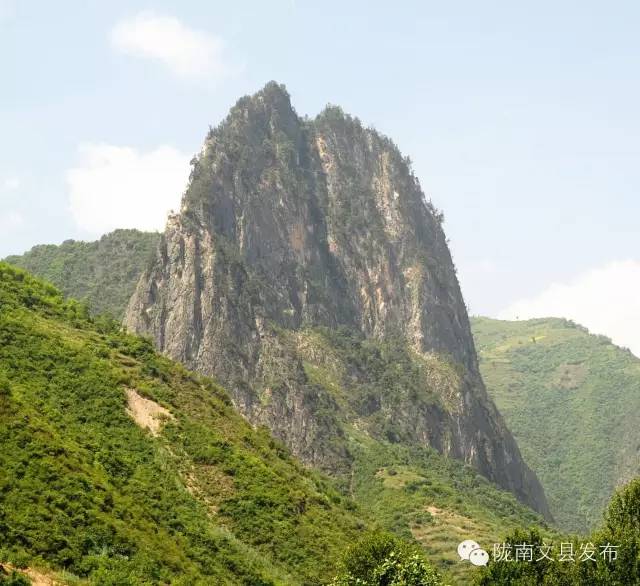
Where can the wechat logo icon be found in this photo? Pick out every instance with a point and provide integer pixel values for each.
(470, 550)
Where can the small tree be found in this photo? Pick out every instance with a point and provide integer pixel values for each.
(620, 533)
(380, 559)
(622, 529)
(623, 514)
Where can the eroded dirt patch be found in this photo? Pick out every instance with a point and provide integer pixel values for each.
(37, 578)
(146, 413)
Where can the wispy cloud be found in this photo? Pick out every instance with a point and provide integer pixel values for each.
(605, 299)
(186, 52)
(121, 187)
(7, 9)
(11, 184)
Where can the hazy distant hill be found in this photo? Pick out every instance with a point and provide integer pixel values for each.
(572, 400)
(102, 273)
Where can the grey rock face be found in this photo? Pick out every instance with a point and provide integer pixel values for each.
(288, 224)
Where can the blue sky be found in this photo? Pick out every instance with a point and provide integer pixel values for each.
(522, 120)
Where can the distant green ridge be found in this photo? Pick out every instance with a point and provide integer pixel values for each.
(572, 401)
(102, 273)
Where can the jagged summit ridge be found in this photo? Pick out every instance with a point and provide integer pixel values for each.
(291, 224)
(264, 170)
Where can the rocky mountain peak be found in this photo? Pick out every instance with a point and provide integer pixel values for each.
(290, 226)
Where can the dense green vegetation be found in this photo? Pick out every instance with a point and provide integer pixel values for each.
(412, 491)
(103, 274)
(378, 383)
(83, 488)
(209, 500)
(610, 556)
(380, 559)
(12, 578)
(87, 492)
(417, 493)
(571, 400)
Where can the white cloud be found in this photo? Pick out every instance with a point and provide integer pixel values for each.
(187, 52)
(605, 299)
(11, 184)
(119, 187)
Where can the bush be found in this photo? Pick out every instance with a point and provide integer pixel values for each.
(13, 579)
(380, 559)
(621, 530)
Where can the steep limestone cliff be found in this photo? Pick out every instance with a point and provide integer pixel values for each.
(292, 230)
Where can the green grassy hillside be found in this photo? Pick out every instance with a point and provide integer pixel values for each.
(609, 556)
(572, 401)
(203, 498)
(103, 273)
(439, 502)
(207, 500)
(411, 490)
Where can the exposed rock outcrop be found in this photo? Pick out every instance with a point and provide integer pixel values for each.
(290, 224)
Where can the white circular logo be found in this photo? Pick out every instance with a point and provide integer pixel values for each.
(466, 547)
(479, 557)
